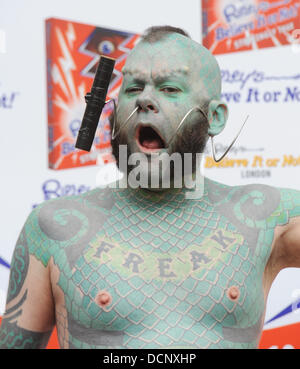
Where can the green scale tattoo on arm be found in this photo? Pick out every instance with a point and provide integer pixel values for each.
(14, 337)
(168, 264)
(11, 334)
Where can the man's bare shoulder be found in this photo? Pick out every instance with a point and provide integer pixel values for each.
(219, 191)
(257, 201)
(63, 221)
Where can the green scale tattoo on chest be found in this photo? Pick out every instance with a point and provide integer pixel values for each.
(166, 262)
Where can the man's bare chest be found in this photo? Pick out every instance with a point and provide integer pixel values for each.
(172, 272)
(163, 267)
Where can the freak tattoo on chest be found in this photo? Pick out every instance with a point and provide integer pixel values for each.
(153, 271)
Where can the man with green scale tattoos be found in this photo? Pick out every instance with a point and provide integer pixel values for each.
(128, 267)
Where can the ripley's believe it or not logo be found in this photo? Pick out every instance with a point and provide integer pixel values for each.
(239, 25)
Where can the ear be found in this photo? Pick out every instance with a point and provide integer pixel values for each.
(217, 117)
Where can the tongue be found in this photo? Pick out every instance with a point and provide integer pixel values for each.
(152, 143)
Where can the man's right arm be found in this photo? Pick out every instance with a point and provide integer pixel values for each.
(29, 316)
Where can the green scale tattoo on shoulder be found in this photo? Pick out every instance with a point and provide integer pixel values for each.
(168, 264)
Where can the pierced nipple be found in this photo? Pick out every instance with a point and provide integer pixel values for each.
(233, 293)
(103, 299)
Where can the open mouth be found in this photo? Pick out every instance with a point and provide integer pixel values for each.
(148, 139)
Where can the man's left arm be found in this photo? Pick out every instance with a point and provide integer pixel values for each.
(288, 240)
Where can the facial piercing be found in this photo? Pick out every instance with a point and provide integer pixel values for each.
(183, 119)
(229, 147)
(114, 135)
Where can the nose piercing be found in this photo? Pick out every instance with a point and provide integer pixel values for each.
(113, 134)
